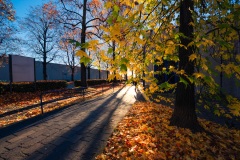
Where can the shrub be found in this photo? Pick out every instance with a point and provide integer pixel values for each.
(31, 86)
(91, 82)
(4, 87)
(23, 87)
(44, 85)
(77, 83)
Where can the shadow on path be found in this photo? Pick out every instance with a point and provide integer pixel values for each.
(84, 138)
(78, 132)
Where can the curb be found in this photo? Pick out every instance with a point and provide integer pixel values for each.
(144, 95)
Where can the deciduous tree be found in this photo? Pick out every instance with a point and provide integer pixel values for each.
(87, 16)
(42, 33)
(70, 49)
(183, 34)
(7, 15)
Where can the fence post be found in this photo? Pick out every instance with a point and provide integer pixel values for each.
(41, 103)
(102, 89)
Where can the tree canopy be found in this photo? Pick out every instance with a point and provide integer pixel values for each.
(153, 33)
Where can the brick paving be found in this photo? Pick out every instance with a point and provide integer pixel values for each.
(78, 132)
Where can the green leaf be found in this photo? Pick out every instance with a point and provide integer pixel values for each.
(175, 58)
(114, 15)
(123, 68)
(165, 86)
(85, 45)
(116, 8)
(217, 112)
(74, 42)
(109, 20)
(207, 79)
(183, 81)
(110, 50)
(85, 60)
(124, 61)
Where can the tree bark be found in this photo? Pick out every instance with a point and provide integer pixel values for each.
(114, 72)
(89, 74)
(45, 54)
(184, 114)
(83, 40)
(72, 74)
(44, 70)
(99, 74)
(44, 63)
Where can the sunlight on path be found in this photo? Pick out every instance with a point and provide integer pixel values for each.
(78, 132)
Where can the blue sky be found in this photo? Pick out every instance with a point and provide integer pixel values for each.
(22, 6)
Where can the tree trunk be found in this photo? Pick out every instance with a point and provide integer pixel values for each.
(83, 38)
(89, 72)
(99, 74)
(115, 78)
(107, 71)
(44, 66)
(184, 114)
(72, 74)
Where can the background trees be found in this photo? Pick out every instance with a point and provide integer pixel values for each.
(7, 15)
(87, 16)
(42, 32)
(69, 50)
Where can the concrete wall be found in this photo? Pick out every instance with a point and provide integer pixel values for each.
(54, 72)
(229, 85)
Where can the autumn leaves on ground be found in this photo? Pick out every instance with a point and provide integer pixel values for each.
(145, 134)
(13, 101)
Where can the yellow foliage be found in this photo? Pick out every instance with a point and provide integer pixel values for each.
(81, 53)
(238, 57)
(199, 75)
(108, 4)
(139, 41)
(93, 45)
(192, 57)
(169, 50)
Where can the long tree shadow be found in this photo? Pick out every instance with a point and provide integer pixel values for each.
(6, 131)
(87, 137)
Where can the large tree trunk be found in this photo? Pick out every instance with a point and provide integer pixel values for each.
(184, 114)
(83, 38)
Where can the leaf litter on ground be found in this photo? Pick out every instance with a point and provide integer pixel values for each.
(144, 133)
(13, 101)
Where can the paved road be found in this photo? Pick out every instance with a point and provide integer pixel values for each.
(78, 132)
